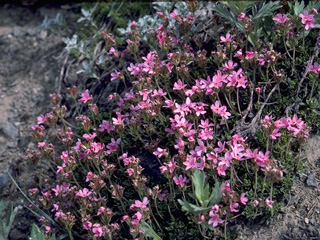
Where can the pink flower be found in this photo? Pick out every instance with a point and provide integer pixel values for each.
(180, 144)
(113, 146)
(266, 122)
(97, 147)
(48, 229)
(41, 144)
(275, 134)
(89, 137)
(233, 206)
(239, 54)
(216, 107)
(135, 70)
(180, 181)
(230, 65)
(215, 208)
(174, 14)
(226, 39)
(243, 199)
(201, 147)
(241, 16)
(258, 90)
(132, 24)
(115, 75)
(224, 113)
(242, 82)
(281, 19)
(221, 147)
(159, 152)
(262, 159)
(178, 85)
(255, 203)
(250, 54)
(312, 68)
(83, 193)
(221, 169)
(226, 186)
(57, 190)
(251, 155)
(215, 219)
(268, 202)
(307, 20)
(85, 97)
(97, 230)
(87, 225)
(190, 163)
(139, 204)
(113, 52)
(41, 119)
(314, 11)
(137, 218)
(106, 126)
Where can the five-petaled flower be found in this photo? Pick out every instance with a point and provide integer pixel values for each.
(85, 97)
(307, 20)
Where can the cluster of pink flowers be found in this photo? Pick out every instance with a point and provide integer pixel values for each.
(178, 115)
(295, 125)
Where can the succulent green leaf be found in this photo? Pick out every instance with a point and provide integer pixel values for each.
(149, 232)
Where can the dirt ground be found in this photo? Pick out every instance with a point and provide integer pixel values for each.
(30, 70)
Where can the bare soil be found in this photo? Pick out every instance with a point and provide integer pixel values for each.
(29, 71)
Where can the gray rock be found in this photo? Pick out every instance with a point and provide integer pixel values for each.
(32, 31)
(311, 181)
(10, 130)
(11, 144)
(43, 34)
(15, 234)
(303, 212)
(16, 31)
(4, 177)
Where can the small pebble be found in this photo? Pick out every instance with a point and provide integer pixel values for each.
(306, 220)
(312, 221)
(311, 181)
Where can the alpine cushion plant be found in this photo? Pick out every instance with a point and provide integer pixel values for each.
(174, 147)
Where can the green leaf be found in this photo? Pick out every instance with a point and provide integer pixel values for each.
(266, 10)
(6, 224)
(238, 7)
(36, 233)
(201, 190)
(3, 206)
(298, 7)
(216, 195)
(149, 232)
(316, 111)
(191, 208)
(229, 16)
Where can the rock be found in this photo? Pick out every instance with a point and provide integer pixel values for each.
(16, 31)
(15, 234)
(311, 181)
(32, 31)
(14, 83)
(11, 144)
(312, 221)
(43, 34)
(306, 220)
(303, 212)
(4, 177)
(10, 130)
